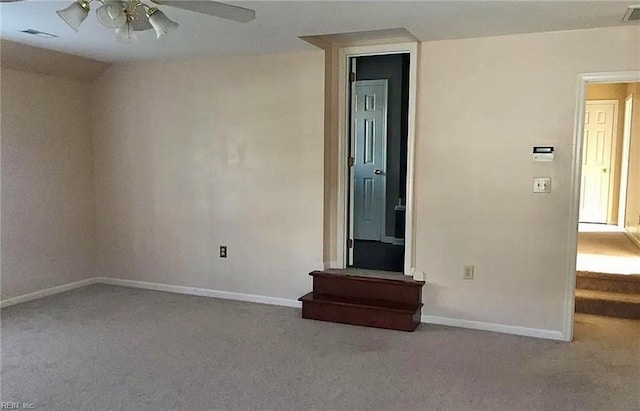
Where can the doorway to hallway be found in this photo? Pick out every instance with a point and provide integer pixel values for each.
(379, 115)
(608, 238)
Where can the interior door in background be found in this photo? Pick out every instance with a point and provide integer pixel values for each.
(370, 121)
(596, 162)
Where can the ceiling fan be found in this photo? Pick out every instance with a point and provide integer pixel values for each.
(128, 16)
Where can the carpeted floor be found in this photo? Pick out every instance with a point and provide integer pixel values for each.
(606, 249)
(114, 348)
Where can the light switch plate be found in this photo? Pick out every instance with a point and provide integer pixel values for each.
(542, 184)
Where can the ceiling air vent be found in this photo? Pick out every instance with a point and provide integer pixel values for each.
(632, 14)
(39, 33)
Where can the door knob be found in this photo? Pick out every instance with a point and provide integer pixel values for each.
(604, 170)
(377, 172)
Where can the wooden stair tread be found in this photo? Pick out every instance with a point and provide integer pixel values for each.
(360, 302)
(613, 277)
(608, 296)
(345, 274)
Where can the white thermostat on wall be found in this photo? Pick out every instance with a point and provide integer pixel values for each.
(543, 153)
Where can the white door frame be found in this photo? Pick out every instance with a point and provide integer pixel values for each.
(613, 166)
(576, 173)
(624, 164)
(345, 54)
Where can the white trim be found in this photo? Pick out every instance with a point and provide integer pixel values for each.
(632, 237)
(344, 54)
(574, 204)
(494, 327)
(351, 185)
(47, 292)
(624, 161)
(284, 302)
(330, 264)
(203, 292)
(389, 239)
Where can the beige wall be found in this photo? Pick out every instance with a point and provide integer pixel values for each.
(191, 155)
(483, 103)
(47, 182)
(632, 215)
(197, 154)
(22, 57)
(617, 92)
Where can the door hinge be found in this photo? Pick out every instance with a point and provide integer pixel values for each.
(352, 77)
(349, 243)
(352, 161)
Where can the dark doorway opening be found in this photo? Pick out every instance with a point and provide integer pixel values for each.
(378, 151)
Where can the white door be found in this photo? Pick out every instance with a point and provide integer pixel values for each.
(596, 161)
(369, 154)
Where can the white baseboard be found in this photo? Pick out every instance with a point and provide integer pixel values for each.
(393, 240)
(632, 237)
(49, 291)
(203, 292)
(285, 302)
(330, 264)
(493, 327)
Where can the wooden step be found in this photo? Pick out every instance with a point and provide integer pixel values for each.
(361, 311)
(610, 304)
(617, 283)
(396, 288)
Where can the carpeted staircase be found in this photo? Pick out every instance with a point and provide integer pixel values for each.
(391, 301)
(612, 295)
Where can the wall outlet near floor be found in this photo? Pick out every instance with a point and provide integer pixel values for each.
(223, 251)
(467, 272)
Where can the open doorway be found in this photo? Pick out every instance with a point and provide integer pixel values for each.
(379, 118)
(608, 243)
(609, 213)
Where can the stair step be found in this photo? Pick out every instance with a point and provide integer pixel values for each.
(361, 302)
(607, 303)
(361, 311)
(619, 283)
(395, 288)
(369, 276)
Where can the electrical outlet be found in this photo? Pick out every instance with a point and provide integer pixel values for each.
(223, 251)
(467, 273)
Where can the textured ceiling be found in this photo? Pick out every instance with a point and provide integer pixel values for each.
(279, 25)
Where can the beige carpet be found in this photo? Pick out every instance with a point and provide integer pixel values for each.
(606, 250)
(115, 348)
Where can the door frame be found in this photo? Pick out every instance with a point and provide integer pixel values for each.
(352, 146)
(613, 169)
(624, 162)
(576, 174)
(344, 56)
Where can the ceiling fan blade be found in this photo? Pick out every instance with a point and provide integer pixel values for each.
(140, 21)
(212, 8)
